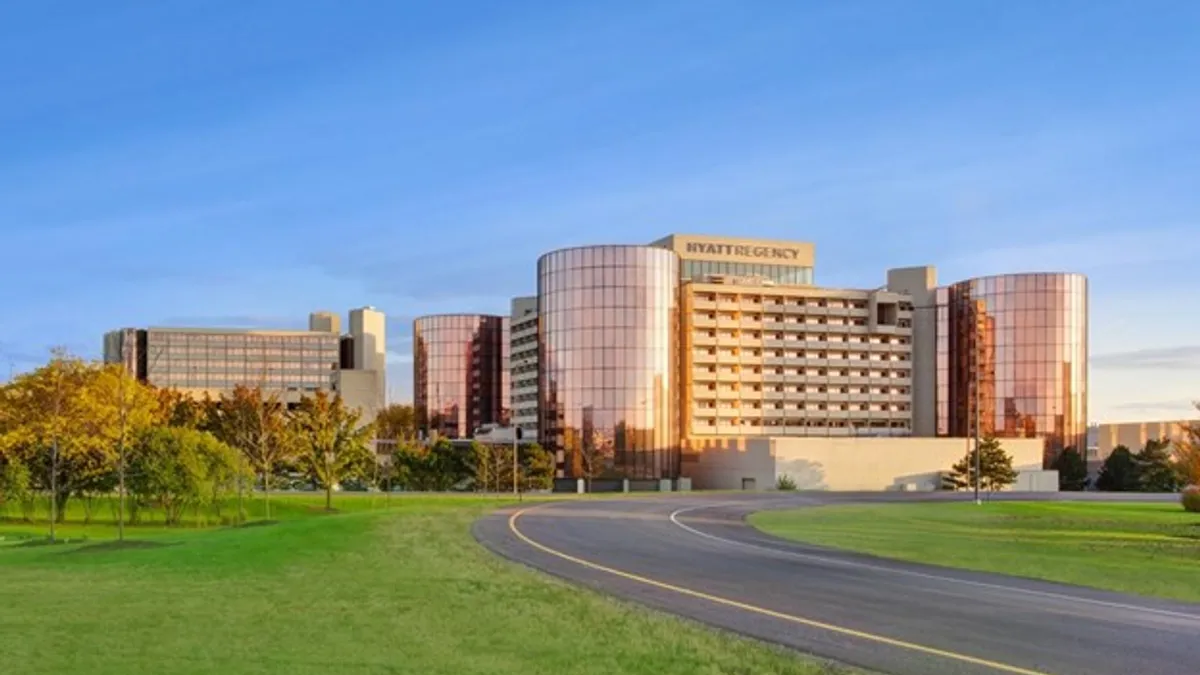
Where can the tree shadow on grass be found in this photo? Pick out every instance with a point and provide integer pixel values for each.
(127, 545)
(256, 523)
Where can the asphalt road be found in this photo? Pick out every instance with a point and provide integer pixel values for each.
(694, 556)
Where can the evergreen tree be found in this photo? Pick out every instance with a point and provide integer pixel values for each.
(995, 467)
(1119, 473)
(1155, 470)
(1072, 470)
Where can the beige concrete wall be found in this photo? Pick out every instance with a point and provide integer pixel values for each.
(920, 283)
(847, 464)
(368, 327)
(360, 389)
(1134, 435)
(325, 322)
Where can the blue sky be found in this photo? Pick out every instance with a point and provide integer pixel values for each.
(239, 162)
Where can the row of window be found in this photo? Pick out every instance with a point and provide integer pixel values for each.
(813, 389)
(837, 356)
(799, 422)
(803, 373)
(812, 405)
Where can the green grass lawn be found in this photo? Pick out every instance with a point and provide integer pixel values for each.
(401, 589)
(1149, 549)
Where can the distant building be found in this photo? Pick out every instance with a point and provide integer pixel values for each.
(460, 373)
(288, 363)
(1135, 435)
(523, 365)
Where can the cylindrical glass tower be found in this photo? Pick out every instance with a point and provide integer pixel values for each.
(1022, 340)
(460, 372)
(608, 361)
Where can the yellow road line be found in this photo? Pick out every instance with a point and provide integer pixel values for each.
(892, 642)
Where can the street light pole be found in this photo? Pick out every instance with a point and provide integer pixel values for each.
(978, 462)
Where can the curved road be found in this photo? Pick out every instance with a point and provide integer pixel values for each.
(695, 556)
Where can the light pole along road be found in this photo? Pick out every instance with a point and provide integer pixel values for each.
(695, 556)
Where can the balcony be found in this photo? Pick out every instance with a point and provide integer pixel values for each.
(703, 340)
(704, 304)
(727, 376)
(704, 322)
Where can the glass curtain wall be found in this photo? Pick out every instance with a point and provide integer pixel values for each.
(460, 373)
(1012, 352)
(608, 361)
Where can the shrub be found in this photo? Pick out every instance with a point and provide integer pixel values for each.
(785, 482)
(1191, 498)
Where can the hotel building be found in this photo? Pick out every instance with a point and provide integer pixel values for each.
(763, 352)
(288, 363)
(679, 357)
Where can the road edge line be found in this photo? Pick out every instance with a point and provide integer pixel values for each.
(811, 623)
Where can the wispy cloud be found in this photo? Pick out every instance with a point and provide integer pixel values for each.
(1086, 253)
(1186, 357)
(1180, 407)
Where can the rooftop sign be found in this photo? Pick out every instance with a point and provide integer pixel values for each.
(743, 250)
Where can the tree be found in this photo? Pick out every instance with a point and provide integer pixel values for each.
(785, 482)
(592, 458)
(397, 422)
(120, 407)
(255, 425)
(1155, 472)
(1187, 452)
(14, 484)
(1119, 473)
(1072, 470)
(537, 467)
(176, 409)
(333, 445)
(438, 467)
(51, 427)
(178, 468)
(995, 467)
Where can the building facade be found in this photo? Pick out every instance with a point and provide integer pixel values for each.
(647, 357)
(523, 365)
(213, 361)
(460, 373)
(1012, 358)
(1135, 435)
(760, 359)
(608, 389)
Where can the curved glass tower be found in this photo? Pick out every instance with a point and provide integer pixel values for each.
(1012, 352)
(460, 372)
(608, 361)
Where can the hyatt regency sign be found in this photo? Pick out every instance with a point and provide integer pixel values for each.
(743, 250)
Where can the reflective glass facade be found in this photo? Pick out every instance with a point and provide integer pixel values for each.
(608, 362)
(789, 275)
(460, 372)
(1022, 340)
(220, 360)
